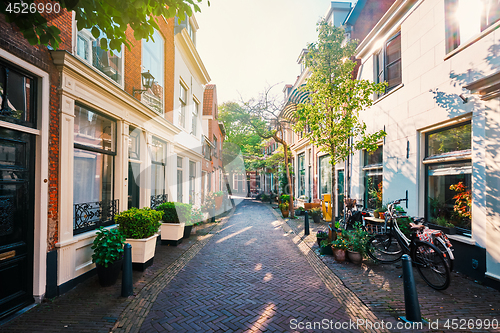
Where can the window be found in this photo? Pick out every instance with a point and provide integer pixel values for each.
(110, 63)
(325, 175)
(134, 167)
(192, 176)
(215, 145)
(449, 173)
(158, 166)
(191, 31)
(302, 175)
(373, 176)
(94, 151)
(183, 102)
(194, 118)
(179, 179)
(388, 63)
(152, 61)
(17, 97)
(466, 18)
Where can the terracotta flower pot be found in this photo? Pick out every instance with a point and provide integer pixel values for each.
(339, 254)
(285, 213)
(355, 257)
(376, 215)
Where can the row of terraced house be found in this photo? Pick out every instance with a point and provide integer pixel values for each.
(86, 133)
(440, 110)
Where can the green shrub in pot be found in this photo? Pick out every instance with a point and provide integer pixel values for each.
(107, 246)
(138, 223)
(175, 212)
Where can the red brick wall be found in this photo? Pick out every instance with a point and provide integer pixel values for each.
(133, 61)
(13, 41)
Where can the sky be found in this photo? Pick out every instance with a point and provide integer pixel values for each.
(247, 46)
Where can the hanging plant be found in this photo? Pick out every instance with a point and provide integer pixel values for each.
(463, 200)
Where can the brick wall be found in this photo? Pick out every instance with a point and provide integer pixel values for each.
(133, 63)
(13, 41)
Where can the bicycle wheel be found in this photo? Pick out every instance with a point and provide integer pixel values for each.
(384, 248)
(431, 265)
(446, 251)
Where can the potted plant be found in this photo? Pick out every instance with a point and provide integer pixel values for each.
(320, 236)
(356, 243)
(339, 248)
(140, 228)
(175, 216)
(108, 255)
(196, 219)
(299, 211)
(284, 206)
(316, 214)
(325, 248)
(441, 223)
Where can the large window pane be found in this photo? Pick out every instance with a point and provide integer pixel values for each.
(449, 140)
(302, 174)
(94, 130)
(108, 62)
(375, 157)
(17, 97)
(192, 176)
(441, 201)
(92, 176)
(325, 175)
(152, 61)
(393, 62)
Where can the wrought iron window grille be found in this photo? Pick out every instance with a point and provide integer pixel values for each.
(157, 200)
(92, 215)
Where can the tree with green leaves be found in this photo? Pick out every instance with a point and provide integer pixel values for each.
(330, 118)
(110, 18)
(263, 115)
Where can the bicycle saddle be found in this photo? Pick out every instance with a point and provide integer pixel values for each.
(414, 226)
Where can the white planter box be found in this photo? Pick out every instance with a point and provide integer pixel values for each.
(172, 231)
(142, 249)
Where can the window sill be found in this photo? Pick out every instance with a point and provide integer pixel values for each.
(462, 239)
(389, 93)
(471, 41)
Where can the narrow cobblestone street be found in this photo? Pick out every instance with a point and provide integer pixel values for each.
(249, 277)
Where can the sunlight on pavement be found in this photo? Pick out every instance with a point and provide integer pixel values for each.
(258, 267)
(251, 241)
(233, 234)
(268, 313)
(268, 277)
(221, 230)
(276, 223)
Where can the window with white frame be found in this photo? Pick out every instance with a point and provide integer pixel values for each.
(110, 62)
(387, 63)
(152, 61)
(302, 174)
(183, 105)
(448, 168)
(192, 177)
(158, 167)
(464, 19)
(194, 118)
(325, 175)
(373, 177)
(179, 179)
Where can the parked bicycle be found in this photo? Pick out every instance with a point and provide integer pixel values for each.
(392, 244)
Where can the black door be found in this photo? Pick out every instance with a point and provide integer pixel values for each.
(17, 159)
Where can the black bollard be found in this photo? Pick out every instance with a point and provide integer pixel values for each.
(306, 224)
(412, 308)
(127, 285)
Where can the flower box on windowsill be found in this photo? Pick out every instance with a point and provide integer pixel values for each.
(446, 230)
(143, 251)
(172, 233)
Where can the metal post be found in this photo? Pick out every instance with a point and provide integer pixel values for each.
(306, 224)
(127, 285)
(412, 308)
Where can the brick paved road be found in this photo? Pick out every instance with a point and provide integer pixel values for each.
(250, 277)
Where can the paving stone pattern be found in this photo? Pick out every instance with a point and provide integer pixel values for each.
(250, 277)
(380, 287)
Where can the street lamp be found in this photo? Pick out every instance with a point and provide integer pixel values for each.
(147, 82)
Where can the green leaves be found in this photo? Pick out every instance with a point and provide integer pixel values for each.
(107, 246)
(138, 223)
(111, 16)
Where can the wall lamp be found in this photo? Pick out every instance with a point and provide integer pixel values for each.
(147, 82)
(464, 99)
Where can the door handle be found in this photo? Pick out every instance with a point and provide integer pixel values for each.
(7, 255)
